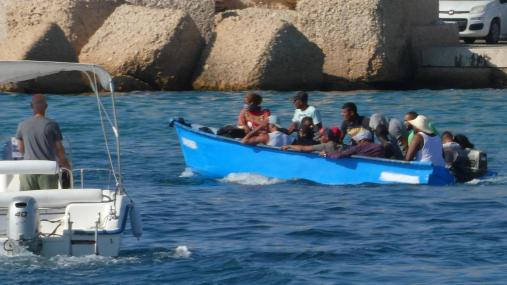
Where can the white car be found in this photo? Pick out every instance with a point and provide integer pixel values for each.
(476, 19)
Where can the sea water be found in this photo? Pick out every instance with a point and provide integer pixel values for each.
(249, 229)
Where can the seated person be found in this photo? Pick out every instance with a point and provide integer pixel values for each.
(463, 141)
(273, 137)
(252, 115)
(426, 144)
(411, 116)
(303, 110)
(379, 124)
(306, 134)
(329, 142)
(352, 121)
(364, 146)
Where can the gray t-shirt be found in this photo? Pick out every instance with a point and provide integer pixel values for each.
(328, 147)
(39, 135)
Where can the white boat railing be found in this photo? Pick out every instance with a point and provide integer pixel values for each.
(102, 178)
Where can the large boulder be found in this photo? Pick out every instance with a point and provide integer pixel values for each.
(363, 41)
(437, 34)
(78, 19)
(46, 42)
(155, 45)
(421, 13)
(3, 22)
(201, 11)
(254, 49)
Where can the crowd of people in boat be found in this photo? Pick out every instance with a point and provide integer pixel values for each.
(376, 136)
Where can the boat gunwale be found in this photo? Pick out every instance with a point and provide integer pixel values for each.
(310, 155)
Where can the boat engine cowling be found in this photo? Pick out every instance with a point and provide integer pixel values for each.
(23, 224)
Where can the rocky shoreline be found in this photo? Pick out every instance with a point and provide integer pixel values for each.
(225, 44)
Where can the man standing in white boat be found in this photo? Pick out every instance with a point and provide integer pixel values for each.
(40, 138)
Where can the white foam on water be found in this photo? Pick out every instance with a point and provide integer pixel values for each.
(63, 261)
(187, 173)
(182, 251)
(250, 179)
(488, 180)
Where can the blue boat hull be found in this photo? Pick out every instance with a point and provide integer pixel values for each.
(216, 157)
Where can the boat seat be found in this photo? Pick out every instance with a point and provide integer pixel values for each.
(11, 169)
(55, 198)
(28, 167)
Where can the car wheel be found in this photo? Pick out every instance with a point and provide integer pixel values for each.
(469, 40)
(494, 33)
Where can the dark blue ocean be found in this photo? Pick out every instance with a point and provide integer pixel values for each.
(255, 230)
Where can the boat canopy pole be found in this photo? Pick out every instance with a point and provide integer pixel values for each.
(114, 125)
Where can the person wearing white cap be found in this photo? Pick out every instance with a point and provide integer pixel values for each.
(274, 137)
(426, 144)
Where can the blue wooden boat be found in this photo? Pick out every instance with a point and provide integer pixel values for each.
(216, 157)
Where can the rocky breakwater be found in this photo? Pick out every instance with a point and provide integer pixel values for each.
(370, 43)
(52, 31)
(259, 49)
(179, 45)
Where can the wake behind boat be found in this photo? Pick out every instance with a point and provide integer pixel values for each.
(216, 157)
(81, 220)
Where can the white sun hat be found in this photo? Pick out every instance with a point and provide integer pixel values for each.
(422, 123)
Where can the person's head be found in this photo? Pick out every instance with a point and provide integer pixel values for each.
(348, 111)
(252, 98)
(421, 124)
(463, 141)
(363, 136)
(39, 104)
(447, 137)
(306, 125)
(274, 123)
(408, 117)
(377, 120)
(330, 134)
(300, 100)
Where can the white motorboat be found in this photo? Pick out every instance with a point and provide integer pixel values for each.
(74, 221)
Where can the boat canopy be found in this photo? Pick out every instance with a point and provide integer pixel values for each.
(21, 70)
(15, 71)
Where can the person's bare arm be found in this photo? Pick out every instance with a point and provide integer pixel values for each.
(21, 146)
(255, 136)
(414, 147)
(292, 128)
(303, 148)
(262, 138)
(60, 153)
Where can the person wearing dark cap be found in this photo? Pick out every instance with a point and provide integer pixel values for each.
(40, 138)
(303, 110)
(352, 123)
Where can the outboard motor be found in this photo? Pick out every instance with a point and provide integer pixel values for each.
(478, 162)
(23, 226)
